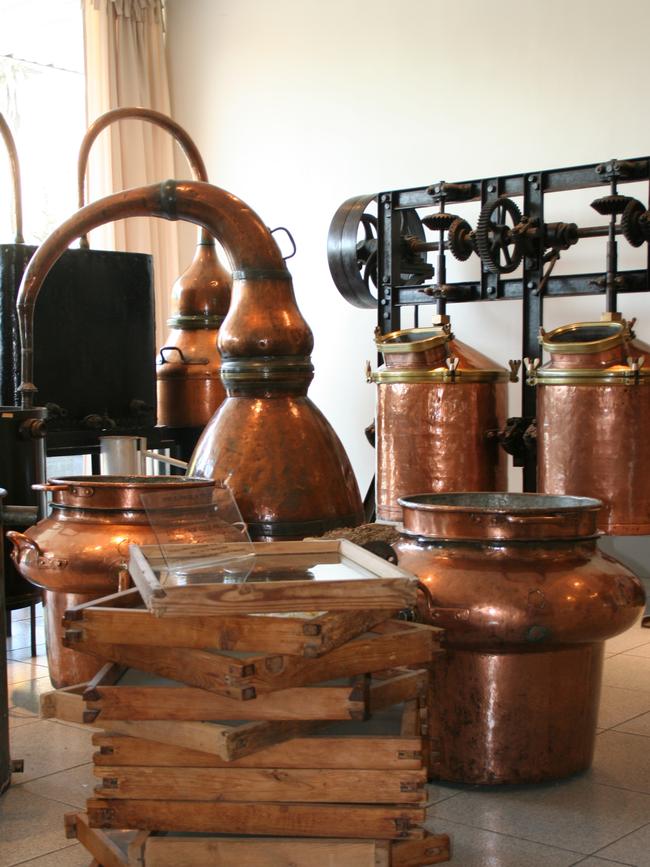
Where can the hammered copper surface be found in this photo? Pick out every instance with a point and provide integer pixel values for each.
(526, 620)
(263, 336)
(591, 433)
(83, 546)
(440, 436)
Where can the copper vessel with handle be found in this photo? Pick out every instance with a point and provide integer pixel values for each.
(268, 442)
(593, 413)
(527, 601)
(440, 404)
(188, 366)
(80, 551)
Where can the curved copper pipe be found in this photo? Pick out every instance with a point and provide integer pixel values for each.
(187, 145)
(15, 176)
(263, 319)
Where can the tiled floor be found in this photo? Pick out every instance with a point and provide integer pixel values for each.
(599, 819)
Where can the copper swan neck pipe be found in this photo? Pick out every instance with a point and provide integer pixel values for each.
(261, 282)
(185, 141)
(15, 176)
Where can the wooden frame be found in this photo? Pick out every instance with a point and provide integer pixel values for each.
(390, 588)
(117, 620)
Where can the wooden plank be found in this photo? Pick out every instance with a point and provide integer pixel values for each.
(266, 852)
(188, 703)
(382, 822)
(65, 704)
(433, 849)
(399, 689)
(309, 636)
(272, 784)
(354, 753)
(99, 844)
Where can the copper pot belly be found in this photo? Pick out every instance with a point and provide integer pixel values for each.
(80, 551)
(439, 406)
(593, 411)
(527, 601)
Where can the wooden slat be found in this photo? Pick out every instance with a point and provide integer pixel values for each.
(188, 703)
(354, 753)
(433, 849)
(300, 820)
(251, 852)
(95, 841)
(399, 689)
(272, 784)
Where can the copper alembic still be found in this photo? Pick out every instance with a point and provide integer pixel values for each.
(274, 449)
(440, 405)
(188, 377)
(527, 600)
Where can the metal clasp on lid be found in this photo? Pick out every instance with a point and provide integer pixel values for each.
(514, 364)
(452, 365)
(634, 365)
(531, 365)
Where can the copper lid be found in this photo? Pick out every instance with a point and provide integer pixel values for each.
(413, 347)
(114, 492)
(499, 516)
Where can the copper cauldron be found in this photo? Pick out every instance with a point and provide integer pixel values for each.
(593, 413)
(188, 378)
(439, 407)
(527, 601)
(80, 551)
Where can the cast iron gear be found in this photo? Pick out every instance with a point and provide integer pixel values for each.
(634, 223)
(493, 236)
(460, 239)
(608, 205)
(439, 222)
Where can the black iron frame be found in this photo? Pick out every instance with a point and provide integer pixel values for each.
(533, 186)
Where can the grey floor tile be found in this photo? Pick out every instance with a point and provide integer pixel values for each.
(622, 760)
(617, 705)
(633, 849)
(72, 856)
(640, 725)
(72, 787)
(643, 650)
(25, 654)
(628, 672)
(18, 672)
(441, 791)
(47, 747)
(16, 720)
(599, 862)
(577, 814)
(472, 847)
(25, 696)
(31, 827)
(633, 637)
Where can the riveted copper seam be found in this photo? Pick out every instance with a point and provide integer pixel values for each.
(10, 144)
(526, 614)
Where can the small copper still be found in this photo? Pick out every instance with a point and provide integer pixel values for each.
(80, 551)
(188, 366)
(593, 411)
(268, 442)
(440, 404)
(527, 601)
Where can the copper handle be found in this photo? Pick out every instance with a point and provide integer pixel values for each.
(15, 176)
(49, 488)
(20, 541)
(184, 360)
(186, 143)
(534, 519)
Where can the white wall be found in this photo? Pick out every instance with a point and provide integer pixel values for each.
(300, 104)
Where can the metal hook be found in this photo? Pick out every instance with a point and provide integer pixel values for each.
(290, 236)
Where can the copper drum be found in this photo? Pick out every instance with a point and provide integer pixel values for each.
(527, 601)
(188, 370)
(593, 412)
(80, 552)
(439, 408)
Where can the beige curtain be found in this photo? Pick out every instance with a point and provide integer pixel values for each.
(125, 66)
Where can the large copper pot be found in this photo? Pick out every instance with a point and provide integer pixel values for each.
(593, 414)
(440, 404)
(80, 551)
(276, 452)
(188, 367)
(527, 601)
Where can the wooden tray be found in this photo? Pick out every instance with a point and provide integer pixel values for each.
(283, 580)
(121, 619)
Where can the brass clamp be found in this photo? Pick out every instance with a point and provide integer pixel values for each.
(531, 365)
(368, 371)
(452, 365)
(514, 364)
(634, 365)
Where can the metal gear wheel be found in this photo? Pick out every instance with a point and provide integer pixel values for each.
(459, 239)
(608, 205)
(634, 223)
(439, 222)
(493, 238)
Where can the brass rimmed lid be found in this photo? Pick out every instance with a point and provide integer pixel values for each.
(488, 516)
(115, 492)
(581, 338)
(438, 374)
(411, 340)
